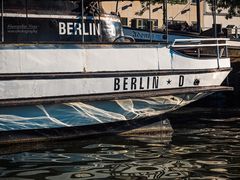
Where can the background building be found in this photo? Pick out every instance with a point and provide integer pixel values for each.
(221, 17)
(136, 14)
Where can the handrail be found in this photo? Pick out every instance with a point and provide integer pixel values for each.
(203, 42)
(196, 40)
(202, 39)
(201, 45)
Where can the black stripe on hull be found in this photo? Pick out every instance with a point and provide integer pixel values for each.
(78, 75)
(87, 131)
(111, 96)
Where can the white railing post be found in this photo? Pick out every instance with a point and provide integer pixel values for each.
(226, 49)
(218, 54)
(82, 15)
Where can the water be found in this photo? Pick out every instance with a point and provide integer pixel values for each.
(205, 145)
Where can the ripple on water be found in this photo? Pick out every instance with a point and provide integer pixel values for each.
(211, 162)
(220, 170)
(31, 173)
(200, 148)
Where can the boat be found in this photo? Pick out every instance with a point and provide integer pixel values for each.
(67, 70)
(141, 35)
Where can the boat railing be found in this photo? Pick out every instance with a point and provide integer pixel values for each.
(200, 42)
(202, 48)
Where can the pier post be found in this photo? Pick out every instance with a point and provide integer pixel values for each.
(198, 16)
(165, 17)
(214, 7)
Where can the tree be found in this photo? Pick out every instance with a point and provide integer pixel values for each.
(232, 7)
(145, 3)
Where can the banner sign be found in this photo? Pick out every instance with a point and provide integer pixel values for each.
(50, 30)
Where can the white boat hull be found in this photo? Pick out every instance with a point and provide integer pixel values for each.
(45, 87)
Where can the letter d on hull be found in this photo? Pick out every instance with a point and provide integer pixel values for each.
(181, 80)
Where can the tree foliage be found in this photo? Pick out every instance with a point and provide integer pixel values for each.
(232, 7)
(145, 4)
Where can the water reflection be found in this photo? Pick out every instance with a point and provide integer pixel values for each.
(203, 146)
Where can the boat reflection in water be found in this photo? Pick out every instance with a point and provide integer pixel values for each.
(134, 154)
(202, 146)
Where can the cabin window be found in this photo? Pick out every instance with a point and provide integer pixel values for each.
(139, 23)
(154, 24)
(145, 24)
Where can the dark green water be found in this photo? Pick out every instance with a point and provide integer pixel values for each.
(205, 145)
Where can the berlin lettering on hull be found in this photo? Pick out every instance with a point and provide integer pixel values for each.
(141, 83)
(78, 28)
(51, 30)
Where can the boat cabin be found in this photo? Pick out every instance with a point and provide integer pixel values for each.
(90, 21)
(52, 21)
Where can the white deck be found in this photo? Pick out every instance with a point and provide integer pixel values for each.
(65, 58)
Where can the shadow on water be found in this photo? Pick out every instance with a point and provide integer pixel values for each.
(205, 145)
